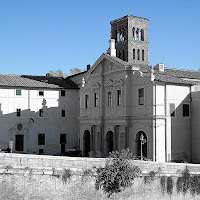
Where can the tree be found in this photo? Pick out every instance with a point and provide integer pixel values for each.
(75, 70)
(57, 73)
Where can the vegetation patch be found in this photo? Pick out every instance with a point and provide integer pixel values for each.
(66, 175)
(117, 174)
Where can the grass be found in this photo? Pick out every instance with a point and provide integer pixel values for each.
(44, 187)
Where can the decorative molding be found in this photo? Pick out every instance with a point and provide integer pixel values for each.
(95, 85)
(109, 83)
(119, 82)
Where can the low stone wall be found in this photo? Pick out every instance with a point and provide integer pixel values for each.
(42, 162)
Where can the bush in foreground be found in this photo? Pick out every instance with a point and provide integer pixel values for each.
(118, 173)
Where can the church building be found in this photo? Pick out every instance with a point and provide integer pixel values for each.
(125, 102)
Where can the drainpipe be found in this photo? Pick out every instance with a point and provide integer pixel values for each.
(154, 132)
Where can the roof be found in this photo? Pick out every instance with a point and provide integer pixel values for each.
(171, 75)
(13, 80)
(125, 17)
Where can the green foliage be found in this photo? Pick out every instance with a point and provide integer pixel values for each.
(150, 177)
(163, 183)
(88, 172)
(118, 173)
(66, 175)
(170, 185)
(195, 184)
(183, 182)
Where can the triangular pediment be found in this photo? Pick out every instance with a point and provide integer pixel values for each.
(107, 64)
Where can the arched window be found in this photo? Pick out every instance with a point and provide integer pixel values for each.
(142, 34)
(143, 55)
(138, 54)
(118, 36)
(133, 54)
(137, 34)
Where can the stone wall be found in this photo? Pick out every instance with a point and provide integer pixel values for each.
(46, 164)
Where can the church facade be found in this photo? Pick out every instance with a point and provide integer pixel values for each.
(124, 102)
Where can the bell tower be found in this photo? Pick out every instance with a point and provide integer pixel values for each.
(131, 38)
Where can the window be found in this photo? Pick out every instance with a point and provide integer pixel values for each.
(41, 151)
(138, 54)
(142, 34)
(143, 55)
(41, 114)
(133, 54)
(41, 92)
(18, 92)
(141, 96)
(186, 110)
(18, 112)
(109, 98)
(172, 109)
(41, 139)
(62, 93)
(63, 113)
(86, 101)
(96, 99)
(119, 97)
(63, 138)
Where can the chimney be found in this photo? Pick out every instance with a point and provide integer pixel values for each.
(88, 67)
(112, 50)
(160, 67)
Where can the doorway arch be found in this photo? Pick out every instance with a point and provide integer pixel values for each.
(141, 144)
(109, 142)
(86, 143)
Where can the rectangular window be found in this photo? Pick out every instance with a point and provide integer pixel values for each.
(41, 139)
(86, 101)
(63, 138)
(41, 151)
(62, 93)
(41, 114)
(18, 92)
(63, 113)
(172, 109)
(41, 92)
(186, 110)
(18, 112)
(96, 99)
(109, 98)
(141, 96)
(119, 97)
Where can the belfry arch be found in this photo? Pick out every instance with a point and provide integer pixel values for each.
(86, 143)
(141, 144)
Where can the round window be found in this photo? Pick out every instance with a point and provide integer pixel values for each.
(19, 127)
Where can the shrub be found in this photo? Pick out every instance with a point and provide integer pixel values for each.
(117, 174)
(66, 175)
(195, 184)
(150, 177)
(163, 183)
(170, 185)
(183, 182)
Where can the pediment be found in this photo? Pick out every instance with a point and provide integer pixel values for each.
(109, 83)
(107, 64)
(118, 82)
(95, 85)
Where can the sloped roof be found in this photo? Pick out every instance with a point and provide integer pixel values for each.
(171, 75)
(13, 80)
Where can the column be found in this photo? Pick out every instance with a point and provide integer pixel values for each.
(127, 136)
(115, 142)
(102, 140)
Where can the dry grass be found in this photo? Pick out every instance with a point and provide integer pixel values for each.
(45, 187)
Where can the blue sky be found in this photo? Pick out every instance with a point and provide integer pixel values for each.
(41, 35)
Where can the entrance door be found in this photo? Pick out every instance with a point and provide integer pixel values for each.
(86, 143)
(19, 143)
(109, 142)
(141, 145)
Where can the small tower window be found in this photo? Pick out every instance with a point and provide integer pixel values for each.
(143, 55)
(118, 36)
(142, 34)
(133, 54)
(138, 54)
(137, 34)
(133, 33)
